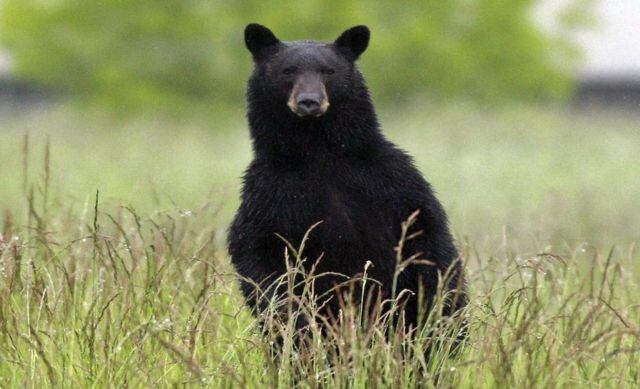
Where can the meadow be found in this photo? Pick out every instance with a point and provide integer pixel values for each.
(114, 272)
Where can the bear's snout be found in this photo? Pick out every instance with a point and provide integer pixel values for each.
(309, 104)
(308, 97)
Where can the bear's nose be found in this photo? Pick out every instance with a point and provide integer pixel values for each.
(309, 104)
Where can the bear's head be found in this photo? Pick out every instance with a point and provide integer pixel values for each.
(305, 78)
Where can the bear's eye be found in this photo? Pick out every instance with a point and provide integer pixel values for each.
(290, 70)
(328, 71)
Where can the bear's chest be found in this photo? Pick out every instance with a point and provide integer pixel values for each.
(354, 208)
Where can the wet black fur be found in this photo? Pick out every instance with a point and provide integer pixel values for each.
(338, 169)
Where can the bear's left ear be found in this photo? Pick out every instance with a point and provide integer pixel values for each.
(259, 40)
(353, 42)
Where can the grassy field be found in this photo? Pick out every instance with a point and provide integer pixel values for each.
(133, 286)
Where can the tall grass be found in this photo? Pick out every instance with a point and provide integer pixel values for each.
(95, 293)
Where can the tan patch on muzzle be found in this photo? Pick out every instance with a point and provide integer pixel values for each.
(292, 98)
(302, 86)
(325, 100)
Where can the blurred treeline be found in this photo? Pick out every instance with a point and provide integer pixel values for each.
(169, 55)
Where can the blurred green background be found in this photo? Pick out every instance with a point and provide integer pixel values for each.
(146, 104)
(175, 55)
(535, 162)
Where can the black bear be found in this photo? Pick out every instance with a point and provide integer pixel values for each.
(319, 156)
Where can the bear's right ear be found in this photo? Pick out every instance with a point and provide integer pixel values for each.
(353, 42)
(259, 40)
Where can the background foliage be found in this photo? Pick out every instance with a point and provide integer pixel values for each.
(174, 54)
(113, 263)
(133, 287)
